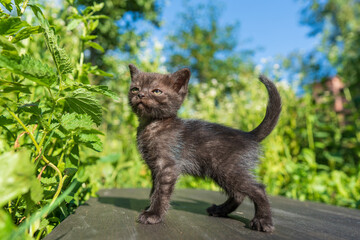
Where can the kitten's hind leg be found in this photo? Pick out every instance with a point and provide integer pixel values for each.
(227, 207)
(262, 220)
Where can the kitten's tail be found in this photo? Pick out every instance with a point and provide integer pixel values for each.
(272, 111)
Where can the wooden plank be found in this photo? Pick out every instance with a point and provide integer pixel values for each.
(113, 216)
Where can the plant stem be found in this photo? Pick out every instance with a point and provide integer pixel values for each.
(82, 56)
(39, 234)
(61, 181)
(24, 7)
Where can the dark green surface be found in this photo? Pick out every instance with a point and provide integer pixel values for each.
(113, 216)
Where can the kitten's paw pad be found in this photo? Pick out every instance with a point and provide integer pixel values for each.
(216, 211)
(262, 224)
(149, 218)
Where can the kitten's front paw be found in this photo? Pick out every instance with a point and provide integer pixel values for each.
(149, 218)
(216, 211)
(262, 224)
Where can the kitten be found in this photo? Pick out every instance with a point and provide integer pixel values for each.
(172, 146)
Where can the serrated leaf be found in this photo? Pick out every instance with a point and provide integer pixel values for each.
(49, 181)
(60, 57)
(30, 68)
(26, 32)
(95, 45)
(73, 121)
(91, 141)
(11, 25)
(100, 89)
(83, 102)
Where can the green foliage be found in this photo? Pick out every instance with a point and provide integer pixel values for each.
(48, 110)
(83, 102)
(29, 68)
(16, 178)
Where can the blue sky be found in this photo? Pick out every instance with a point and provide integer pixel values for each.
(272, 27)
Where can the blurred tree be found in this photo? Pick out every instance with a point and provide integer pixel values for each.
(208, 48)
(118, 32)
(337, 23)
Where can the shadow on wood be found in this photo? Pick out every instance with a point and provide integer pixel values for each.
(113, 216)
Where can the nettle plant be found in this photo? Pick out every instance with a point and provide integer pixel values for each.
(49, 112)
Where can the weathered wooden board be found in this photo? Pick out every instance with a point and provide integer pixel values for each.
(113, 216)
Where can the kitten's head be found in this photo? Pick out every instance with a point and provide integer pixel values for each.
(155, 95)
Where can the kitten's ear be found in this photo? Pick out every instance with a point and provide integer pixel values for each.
(133, 70)
(181, 79)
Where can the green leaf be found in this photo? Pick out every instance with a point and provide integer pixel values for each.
(17, 2)
(23, 89)
(8, 46)
(84, 103)
(73, 24)
(43, 223)
(30, 108)
(89, 37)
(6, 225)
(91, 141)
(30, 68)
(60, 57)
(26, 32)
(100, 89)
(5, 121)
(111, 158)
(96, 71)
(7, 4)
(92, 9)
(49, 181)
(11, 25)
(95, 45)
(39, 15)
(73, 121)
(93, 25)
(17, 176)
(36, 191)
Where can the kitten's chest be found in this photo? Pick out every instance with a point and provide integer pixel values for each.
(155, 140)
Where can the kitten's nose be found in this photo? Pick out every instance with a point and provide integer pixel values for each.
(141, 95)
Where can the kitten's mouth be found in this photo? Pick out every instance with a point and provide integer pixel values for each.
(140, 105)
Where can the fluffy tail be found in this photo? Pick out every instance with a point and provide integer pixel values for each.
(272, 111)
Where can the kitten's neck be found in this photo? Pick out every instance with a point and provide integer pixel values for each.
(143, 122)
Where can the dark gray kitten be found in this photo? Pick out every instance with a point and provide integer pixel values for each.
(172, 146)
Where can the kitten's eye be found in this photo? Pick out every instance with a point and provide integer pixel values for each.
(157, 91)
(134, 90)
